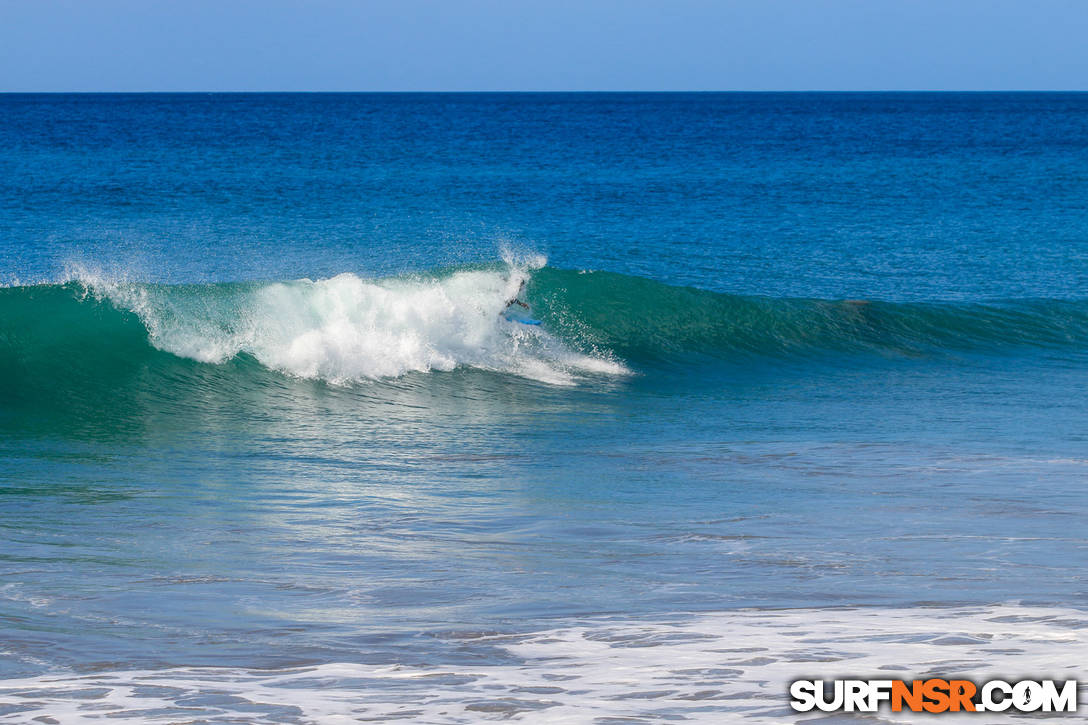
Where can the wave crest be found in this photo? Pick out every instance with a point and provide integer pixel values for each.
(346, 328)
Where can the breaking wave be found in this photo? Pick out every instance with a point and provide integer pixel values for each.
(349, 329)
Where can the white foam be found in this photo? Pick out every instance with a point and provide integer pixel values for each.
(714, 668)
(348, 328)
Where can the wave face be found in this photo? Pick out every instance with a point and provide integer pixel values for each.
(340, 330)
(348, 329)
(643, 320)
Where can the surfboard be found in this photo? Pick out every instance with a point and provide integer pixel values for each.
(522, 320)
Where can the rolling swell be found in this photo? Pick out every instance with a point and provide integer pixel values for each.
(91, 333)
(643, 321)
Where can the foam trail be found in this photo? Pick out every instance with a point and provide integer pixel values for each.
(714, 668)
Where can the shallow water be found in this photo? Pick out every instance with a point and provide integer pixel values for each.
(694, 669)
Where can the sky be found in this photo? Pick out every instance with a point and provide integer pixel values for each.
(542, 45)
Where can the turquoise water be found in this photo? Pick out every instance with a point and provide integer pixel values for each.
(260, 407)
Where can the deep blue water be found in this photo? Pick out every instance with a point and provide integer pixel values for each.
(258, 405)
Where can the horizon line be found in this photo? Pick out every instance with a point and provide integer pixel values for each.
(583, 91)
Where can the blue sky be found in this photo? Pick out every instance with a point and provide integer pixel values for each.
(464, 45)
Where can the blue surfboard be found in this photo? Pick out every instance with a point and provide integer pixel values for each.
(522, 320)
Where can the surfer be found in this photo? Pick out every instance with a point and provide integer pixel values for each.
(515, 301)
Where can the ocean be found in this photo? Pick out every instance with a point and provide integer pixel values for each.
(807, 398)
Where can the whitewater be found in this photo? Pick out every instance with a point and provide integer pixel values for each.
(724, 667)
(349, 329)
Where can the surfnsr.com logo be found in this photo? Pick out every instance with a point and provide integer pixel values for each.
(934, 695)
